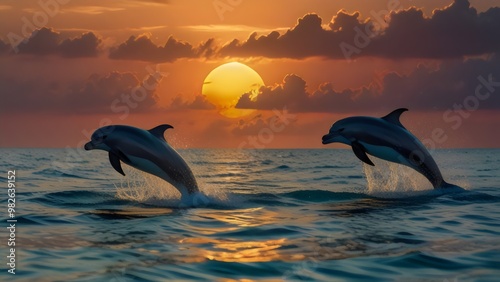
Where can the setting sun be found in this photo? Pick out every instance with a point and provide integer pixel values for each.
(227, 83)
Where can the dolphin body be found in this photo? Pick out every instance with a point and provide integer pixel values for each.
(386, 138)
(146, 150)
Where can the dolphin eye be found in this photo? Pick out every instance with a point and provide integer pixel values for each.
(340, 130)
(101, 138)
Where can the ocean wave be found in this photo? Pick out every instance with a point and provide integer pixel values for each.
(79, 198)
(323, 195)
(331, 166)
(256, 232)
(305, 220)
(52, 172)
(282, 167)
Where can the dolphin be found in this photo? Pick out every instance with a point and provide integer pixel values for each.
(146, 150)
(386, 138)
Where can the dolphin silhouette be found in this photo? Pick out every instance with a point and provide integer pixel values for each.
(386, 138)
(146, 150)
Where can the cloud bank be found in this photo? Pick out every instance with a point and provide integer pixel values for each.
(113, 93)
(46, 41)
(423, 89)
(454, 31)
(199, 103)
(142, 48)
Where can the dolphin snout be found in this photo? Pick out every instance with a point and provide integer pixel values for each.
(88, 146)
(327, 138)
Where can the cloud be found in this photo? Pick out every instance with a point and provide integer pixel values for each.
(84, 46)
(454, 82)
(455, 31)
(5, 7)
(199, 103)
(307, 38)
(254, 125)
(151, 2)
(452, 32)
(142, 48)
(4, 47)
(424, 89)
(46, 41)
(111, 93)
(214, 28)
(292, 93)
(93, 10)
(104, 93)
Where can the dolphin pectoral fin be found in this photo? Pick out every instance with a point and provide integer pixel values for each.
(115, 163)
(122, 156)
(394, 116)
(360, 152)
(160, 130)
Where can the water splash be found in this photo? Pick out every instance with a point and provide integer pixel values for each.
(142, 187)
(387, 179)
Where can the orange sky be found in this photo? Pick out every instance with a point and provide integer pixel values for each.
(62, 82)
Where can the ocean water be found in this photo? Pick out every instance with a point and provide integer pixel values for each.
(268, 215)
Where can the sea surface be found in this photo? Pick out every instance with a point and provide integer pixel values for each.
(268, 215)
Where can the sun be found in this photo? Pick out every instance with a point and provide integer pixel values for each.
(225, 84)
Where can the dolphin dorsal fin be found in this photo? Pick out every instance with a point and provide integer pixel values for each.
(160, 130)
(393, 117)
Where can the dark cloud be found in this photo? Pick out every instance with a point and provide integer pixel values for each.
(255, 125)
(251, 126)
(113, 93)
(207, 49)
(109, 92)
(308, 38)
(454, 31)
(292, 93)
(455, 82)
(452, 83)
(83, 46)
(4, 47)
(46, 41)
(142, 48)
(199, 103)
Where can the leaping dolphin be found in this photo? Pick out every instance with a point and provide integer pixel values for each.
(386, 138)
(146, 150)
